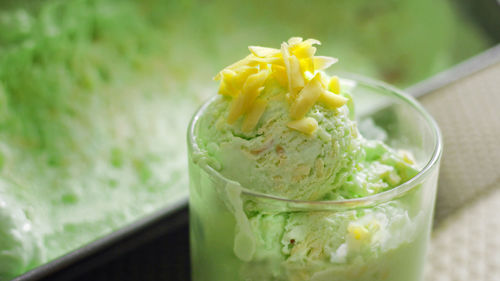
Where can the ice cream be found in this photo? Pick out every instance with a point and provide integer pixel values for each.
(282, 127)
(291, 134)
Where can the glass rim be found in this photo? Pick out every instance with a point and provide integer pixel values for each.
(370, 200)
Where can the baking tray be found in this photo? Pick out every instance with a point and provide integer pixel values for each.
(170, 221)
(156, 247)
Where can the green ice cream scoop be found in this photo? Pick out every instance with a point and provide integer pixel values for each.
(277, 160)
(283, 127)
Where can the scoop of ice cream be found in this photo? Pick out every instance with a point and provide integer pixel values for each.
(278, 160)
(281, 126)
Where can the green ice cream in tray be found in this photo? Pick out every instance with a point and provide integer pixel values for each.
(96, 96)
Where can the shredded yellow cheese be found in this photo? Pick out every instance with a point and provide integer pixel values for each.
(250, 91)
(321, 62)
(263, 52)
(306, 125)
(279, 73)
(295, 67)
(294, 40)
(334, 85)
(295, 76)
(358, 231)
(306, 98)
(332, 100)
(253, 115)
(303, 50)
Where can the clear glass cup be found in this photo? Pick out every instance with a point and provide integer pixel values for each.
(237, 234)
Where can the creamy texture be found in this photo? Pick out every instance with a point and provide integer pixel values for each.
(277, 160)
(337, 164)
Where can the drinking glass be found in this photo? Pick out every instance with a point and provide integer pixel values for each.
(237, 234)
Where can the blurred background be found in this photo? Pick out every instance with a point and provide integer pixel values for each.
(401, 42)
(95, 95)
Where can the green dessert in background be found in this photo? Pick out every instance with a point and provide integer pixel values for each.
(89, 135)
(94, 95)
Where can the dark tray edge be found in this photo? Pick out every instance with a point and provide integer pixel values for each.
(117, 242)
